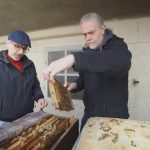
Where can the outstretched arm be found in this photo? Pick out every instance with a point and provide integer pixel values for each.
(57, 66)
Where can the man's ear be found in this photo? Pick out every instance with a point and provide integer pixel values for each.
(102, 28)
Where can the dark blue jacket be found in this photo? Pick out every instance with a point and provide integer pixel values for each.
(104, 77)
(18, 91)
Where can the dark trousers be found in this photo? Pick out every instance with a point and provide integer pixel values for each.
(83, 121)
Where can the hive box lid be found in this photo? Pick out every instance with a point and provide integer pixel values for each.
(115, 134)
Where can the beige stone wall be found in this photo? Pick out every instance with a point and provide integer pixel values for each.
(136, 32)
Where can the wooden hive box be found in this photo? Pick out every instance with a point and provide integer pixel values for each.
(115, 134)
(51, 133)
(61, 98)
(68, 139)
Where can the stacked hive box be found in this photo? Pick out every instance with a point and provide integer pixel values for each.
(51, 132)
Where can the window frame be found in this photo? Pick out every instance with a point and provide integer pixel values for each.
(65, 74)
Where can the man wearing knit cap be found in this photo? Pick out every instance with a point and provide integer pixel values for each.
(19, 85)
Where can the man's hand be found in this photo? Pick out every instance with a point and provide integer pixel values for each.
(70, 85)
(42, 103)
(57, 66)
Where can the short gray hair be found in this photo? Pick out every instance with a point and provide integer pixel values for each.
(92, 17)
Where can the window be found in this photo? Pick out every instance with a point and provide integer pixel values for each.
(53, 53)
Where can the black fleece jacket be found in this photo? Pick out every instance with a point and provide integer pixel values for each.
(103, 74)
(18, 91)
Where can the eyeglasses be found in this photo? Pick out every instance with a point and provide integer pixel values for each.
(19, 47)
